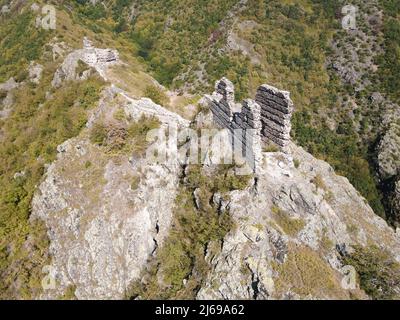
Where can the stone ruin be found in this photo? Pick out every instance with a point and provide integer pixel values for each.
(99, 59)
(253, 122)
(95, 56)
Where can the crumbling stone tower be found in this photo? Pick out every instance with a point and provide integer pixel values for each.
(267, 118)
(276, 114)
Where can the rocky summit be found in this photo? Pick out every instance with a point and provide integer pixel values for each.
(244, 150)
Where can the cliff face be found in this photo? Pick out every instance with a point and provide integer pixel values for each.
(290, 224)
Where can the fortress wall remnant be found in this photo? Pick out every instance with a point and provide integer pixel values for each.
(276, 114)
(244, 125)
(267, 118)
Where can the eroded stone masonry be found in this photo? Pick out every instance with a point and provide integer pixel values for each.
(266, 119)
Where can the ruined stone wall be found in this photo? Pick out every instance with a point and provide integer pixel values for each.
(276, 113)
(242, 120)
(267, 118)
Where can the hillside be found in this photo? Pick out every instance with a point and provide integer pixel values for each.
(79, 198)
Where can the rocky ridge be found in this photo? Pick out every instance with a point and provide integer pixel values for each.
(107, 214)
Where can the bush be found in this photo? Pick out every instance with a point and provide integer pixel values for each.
(98, 134)
(22, 76)
(3, 94)
(378, 271)
(138, 132)
(156, 94)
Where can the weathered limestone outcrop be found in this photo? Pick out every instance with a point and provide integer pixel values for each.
(102, 230)
(99, 59)
(7, 98)
(288, 231)
(267, 118)
(102, 227)
(35, 72)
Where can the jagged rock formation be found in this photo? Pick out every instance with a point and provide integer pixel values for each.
(266, 118)
(99, 59)
(103, 230)
(297, 212)
(284, 246)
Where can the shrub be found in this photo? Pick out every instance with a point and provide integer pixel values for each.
(3, 94)
(119, 115)
(135, 182)
(22, 76)
(81, 68)
(319, 182)
(98, 134)
(138, 132)
(378, 271)
(156, 94)
(271, 148)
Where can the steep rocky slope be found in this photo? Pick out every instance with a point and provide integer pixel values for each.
(290, 224)
(81, 200)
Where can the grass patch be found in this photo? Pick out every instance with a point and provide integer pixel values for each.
(288, 225)
(318, 181)
(306, 273)
(118, 137)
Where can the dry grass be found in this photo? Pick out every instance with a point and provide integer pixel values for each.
(288, 225)
(306, 273)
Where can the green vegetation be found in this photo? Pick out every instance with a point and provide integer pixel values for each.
(120, 137)
(343, 152)
(30, 136)
(81, 68)
(378, 271)
(289, 225)
(135, 182)
(182, 255)
(69, 293)
(389, 60)
(98, 133)
(169, 41)
(271, 148)
(319, 182)
(138, 132)
(20, 43)
(3, 94)
(156, 94)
